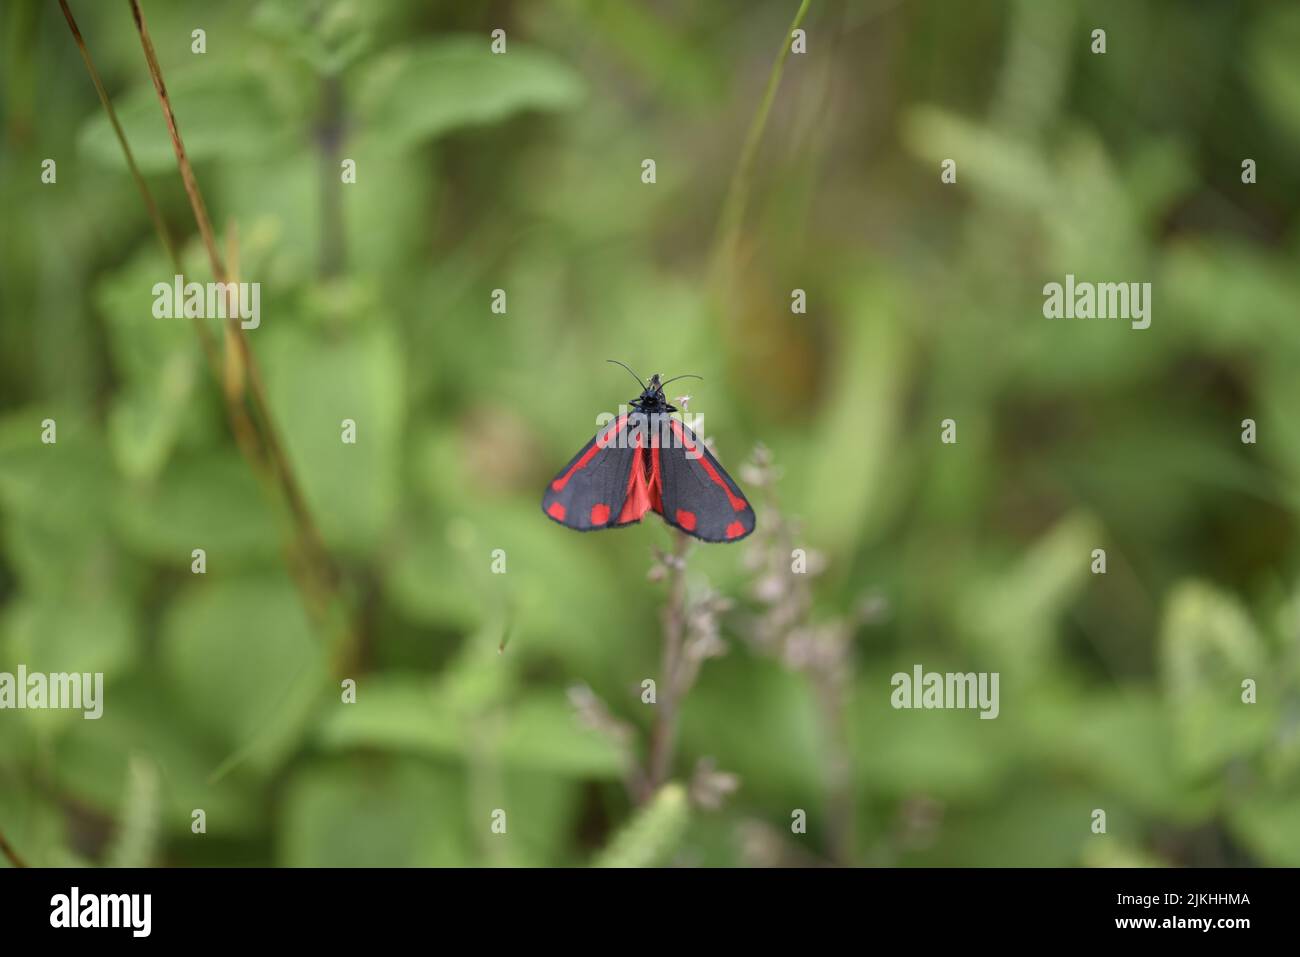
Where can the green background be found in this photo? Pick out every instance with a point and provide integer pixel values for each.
(523, 172)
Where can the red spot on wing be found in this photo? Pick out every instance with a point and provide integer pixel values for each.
(599, 513)
(686, 519)
(587, 456)
(556, 511)
(737, 503)
(735, 530)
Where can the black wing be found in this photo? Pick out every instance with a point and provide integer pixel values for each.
(697, 495)
(604, 484)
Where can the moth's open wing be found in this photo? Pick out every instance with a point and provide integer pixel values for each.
(605, 484)
(696, 493)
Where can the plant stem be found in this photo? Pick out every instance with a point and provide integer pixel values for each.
(240, 376)
(155, 217)
(10, 854)
(245, 433)
(663, 737)
(733, 210)
(187, 171)
(324, 573)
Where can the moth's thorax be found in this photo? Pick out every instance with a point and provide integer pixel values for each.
(652, 400)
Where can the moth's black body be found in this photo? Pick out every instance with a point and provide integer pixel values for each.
(647, 460)
(653, 398)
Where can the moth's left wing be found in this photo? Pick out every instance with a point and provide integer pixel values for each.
(604, 485)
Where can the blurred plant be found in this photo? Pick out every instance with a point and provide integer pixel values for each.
(733, 211)
(690, 635)
(653, 833)
(593, 713)
(711, 787)
(762, 845)
(136, 841)
(822, 651)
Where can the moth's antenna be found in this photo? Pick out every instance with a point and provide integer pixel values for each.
(687, 376)
(629, 369)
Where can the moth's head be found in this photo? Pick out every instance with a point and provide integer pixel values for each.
(656, 387)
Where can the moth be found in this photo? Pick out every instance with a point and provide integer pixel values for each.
(647, 460)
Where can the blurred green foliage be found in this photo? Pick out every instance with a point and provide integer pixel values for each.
(522, 172)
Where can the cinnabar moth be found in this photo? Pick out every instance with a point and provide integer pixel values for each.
(647, 460)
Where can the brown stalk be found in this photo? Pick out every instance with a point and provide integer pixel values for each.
(10, 854)
(240, 378)
(232, 378)
(308, 533)
(155, 217)
(245, 433)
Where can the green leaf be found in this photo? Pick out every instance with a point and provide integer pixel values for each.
(441, 575)
(48, 635)
(1034, 824)
(328, 37)
(159, 362)
(374, 813)
(220, 114)
(94, 634)
(759, 719)
(652, 835)
(314, 386)
(543, 811)
(245, 663)
(1007, 169)
(1015, 613)
(950, 755)
(1273, 67)
(1267, 822)
(35, 824)
(538, 732)
(64, 486)
(209, 501)
(854, 443)
(144, 720)
(1208, 646)
(1123, 746)
(423, 91)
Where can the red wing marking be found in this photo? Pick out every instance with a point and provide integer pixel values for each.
(686, 519)
(735, 530)
(590, 454)
(738, 504)
(638, 493)
(656, 482)
(556, 511)
(599, 513)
